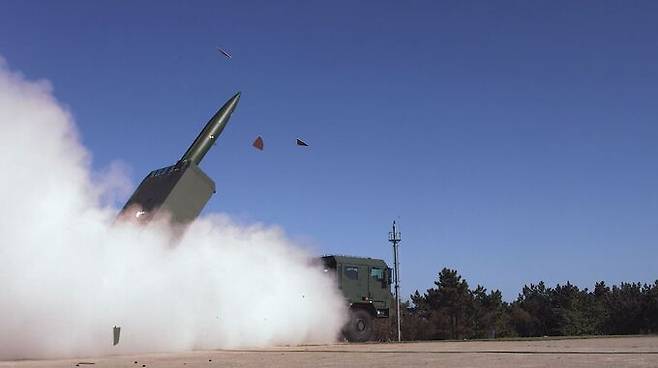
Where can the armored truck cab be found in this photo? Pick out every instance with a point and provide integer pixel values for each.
(366, 285)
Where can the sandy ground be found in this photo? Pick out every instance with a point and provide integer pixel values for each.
(592, 352)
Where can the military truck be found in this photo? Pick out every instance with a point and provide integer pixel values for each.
(180, 191)
(366, 285)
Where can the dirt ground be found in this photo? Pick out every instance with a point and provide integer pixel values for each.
(590, 352)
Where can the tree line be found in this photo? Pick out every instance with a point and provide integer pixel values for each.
(452, 310)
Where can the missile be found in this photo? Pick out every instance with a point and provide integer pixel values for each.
(211, 132)
(179, 192)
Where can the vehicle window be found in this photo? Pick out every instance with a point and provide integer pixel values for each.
(377, 273)
(352, 272)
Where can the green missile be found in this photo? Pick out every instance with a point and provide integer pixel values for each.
(211, 132)
(180, 191)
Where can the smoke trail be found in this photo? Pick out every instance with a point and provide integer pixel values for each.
(68, 274)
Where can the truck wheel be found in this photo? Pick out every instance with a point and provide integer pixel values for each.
(359, 328)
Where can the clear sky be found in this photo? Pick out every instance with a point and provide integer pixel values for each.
(514, 141)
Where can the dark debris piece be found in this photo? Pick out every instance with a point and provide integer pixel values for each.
(258, 143)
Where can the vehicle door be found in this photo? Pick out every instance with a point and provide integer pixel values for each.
(355, 282)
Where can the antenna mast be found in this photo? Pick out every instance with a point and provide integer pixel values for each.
(395, 238)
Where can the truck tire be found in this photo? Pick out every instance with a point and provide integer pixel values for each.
(359, 328)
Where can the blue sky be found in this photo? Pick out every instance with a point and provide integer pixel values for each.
(513, 141)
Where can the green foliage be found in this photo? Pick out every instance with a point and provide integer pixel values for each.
(450, 310)
(626, 305)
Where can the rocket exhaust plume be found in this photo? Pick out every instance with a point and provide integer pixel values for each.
(70, 273)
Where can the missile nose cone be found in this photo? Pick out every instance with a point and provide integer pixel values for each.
(230, 105)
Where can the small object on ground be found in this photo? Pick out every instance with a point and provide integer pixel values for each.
(83, 363)
(116, 332)
(135, 362)
(258, 143)
(224, 52)
(301, 143)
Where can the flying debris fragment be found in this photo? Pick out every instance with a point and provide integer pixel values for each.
(224, 52)
(116, 332)
(258, 143)
(301, 143)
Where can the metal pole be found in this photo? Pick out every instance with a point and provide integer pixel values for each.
(394, 237)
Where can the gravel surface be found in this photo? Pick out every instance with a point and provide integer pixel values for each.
(589, 352)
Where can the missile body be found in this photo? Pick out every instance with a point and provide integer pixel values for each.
(179, 192)
(211, 132)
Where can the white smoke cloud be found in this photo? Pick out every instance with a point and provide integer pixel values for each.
(69, 274)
